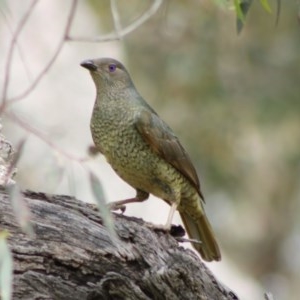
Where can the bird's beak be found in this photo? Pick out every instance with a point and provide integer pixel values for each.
(89, 64)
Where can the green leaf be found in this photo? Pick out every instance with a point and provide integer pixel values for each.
(241, 7)
(266, 5)
(278, 10)
(6, 268)
(102, 205)
(238, 9)
(21, 209)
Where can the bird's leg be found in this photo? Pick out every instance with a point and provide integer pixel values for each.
(171, 215)
(140, 197)
(167, 226)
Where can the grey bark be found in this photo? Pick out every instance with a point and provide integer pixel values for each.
(73, 257)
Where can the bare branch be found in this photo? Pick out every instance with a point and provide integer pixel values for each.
(18, 46)
(44, 138)
(53, 58)
(125, 31)
(116, 17)
(19, 29)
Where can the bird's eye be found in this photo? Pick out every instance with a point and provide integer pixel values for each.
(112, 67)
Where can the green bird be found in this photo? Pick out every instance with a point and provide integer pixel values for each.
(144, 152)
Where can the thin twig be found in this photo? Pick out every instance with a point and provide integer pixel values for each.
(53, 58)
(42, 137)
(125, 31)
(116, 17)
(18, 46)
(19, 29)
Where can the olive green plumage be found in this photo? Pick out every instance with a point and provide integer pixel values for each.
(145, 152)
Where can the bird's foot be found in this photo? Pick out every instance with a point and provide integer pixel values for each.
(140, 197)
(117, 206)
(159, 227)
(176, 231)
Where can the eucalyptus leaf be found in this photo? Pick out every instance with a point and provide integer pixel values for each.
(241, 7)
(266, 5)
(21, 209)
(6, 268)
(102, 205)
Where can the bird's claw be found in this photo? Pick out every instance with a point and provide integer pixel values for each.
(176, 231)
(115, 206)
(159, 227)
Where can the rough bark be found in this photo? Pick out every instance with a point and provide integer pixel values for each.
(73, 257)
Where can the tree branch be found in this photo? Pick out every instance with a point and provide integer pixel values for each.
(124, 31)
(73, 257)
(18, 31)
(52, 59)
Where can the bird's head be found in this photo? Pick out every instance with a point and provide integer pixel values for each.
(107, 72)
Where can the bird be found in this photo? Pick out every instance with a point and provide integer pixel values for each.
(145, 152)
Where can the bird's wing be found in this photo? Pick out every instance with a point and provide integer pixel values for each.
(162, 141)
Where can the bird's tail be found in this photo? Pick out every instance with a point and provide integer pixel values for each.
(200, 229)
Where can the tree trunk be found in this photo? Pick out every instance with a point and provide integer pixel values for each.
(72, 256)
